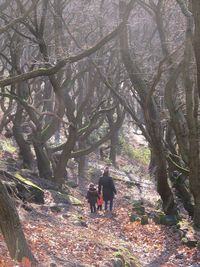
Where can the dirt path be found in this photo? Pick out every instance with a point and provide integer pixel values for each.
(154, 245)
(73, 237)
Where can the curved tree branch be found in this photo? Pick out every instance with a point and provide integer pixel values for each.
(86, 53)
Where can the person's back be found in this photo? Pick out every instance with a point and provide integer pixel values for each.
(92, 197)
(106, 185)
(108, 188)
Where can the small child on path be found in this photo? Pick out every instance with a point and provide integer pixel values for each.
(100, 202)
(92, 196)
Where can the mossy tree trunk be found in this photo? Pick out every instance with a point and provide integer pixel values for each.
(82, 167)
(114, 141)
(177, 118)
(152, 164)
(21, 91)
(43, 161)
(196, 39)
(194, 163)
(192, 110)
(60, 170)
(178, 181)
(11, 228)
(162, 182)
(24, 147)
(115, 125)
(192, 119)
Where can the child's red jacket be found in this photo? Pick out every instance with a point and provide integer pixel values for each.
(100, 200)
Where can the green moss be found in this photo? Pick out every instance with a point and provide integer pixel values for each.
(7, 146)
(26, 181)
(144, 220)
(121, 178)
(74, 201)
(189, 243)
(138, 203)
(158, 205)
(127, 258)
(72, 184)
(127, 168)
(78, 217)
(164, 219)
(133, 217)
(142, 154)
(183, 224)
(83, 129)
(108, 161)
(94, 172)
(2, 165)
(119, 254)
(130, 184)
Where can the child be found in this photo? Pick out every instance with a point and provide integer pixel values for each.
(99, 202)
(92, 197)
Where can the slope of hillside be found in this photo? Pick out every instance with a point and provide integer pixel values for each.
(66, 234)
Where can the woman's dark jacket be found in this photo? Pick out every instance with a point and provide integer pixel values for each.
(92, 196)
(107, 186)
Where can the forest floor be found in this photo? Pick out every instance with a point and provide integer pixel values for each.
(72, 237)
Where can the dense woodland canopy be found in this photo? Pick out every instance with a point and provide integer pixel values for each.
(73, 72)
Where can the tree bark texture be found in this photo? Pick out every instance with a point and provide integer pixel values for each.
(24, 147)
(152, 122)
(194, 163)
(60, 170)
(43, 162)
(11, 228)
(192, 107)
(82, 167)
(196, 39)
(114, 126)
(178, 121)
(113, 146)
(51, 70)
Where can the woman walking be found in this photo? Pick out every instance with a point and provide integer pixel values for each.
(106, 185)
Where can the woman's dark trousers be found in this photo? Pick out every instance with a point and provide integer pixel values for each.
(111, 204)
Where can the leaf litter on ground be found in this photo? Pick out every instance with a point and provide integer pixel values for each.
(54, 238)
